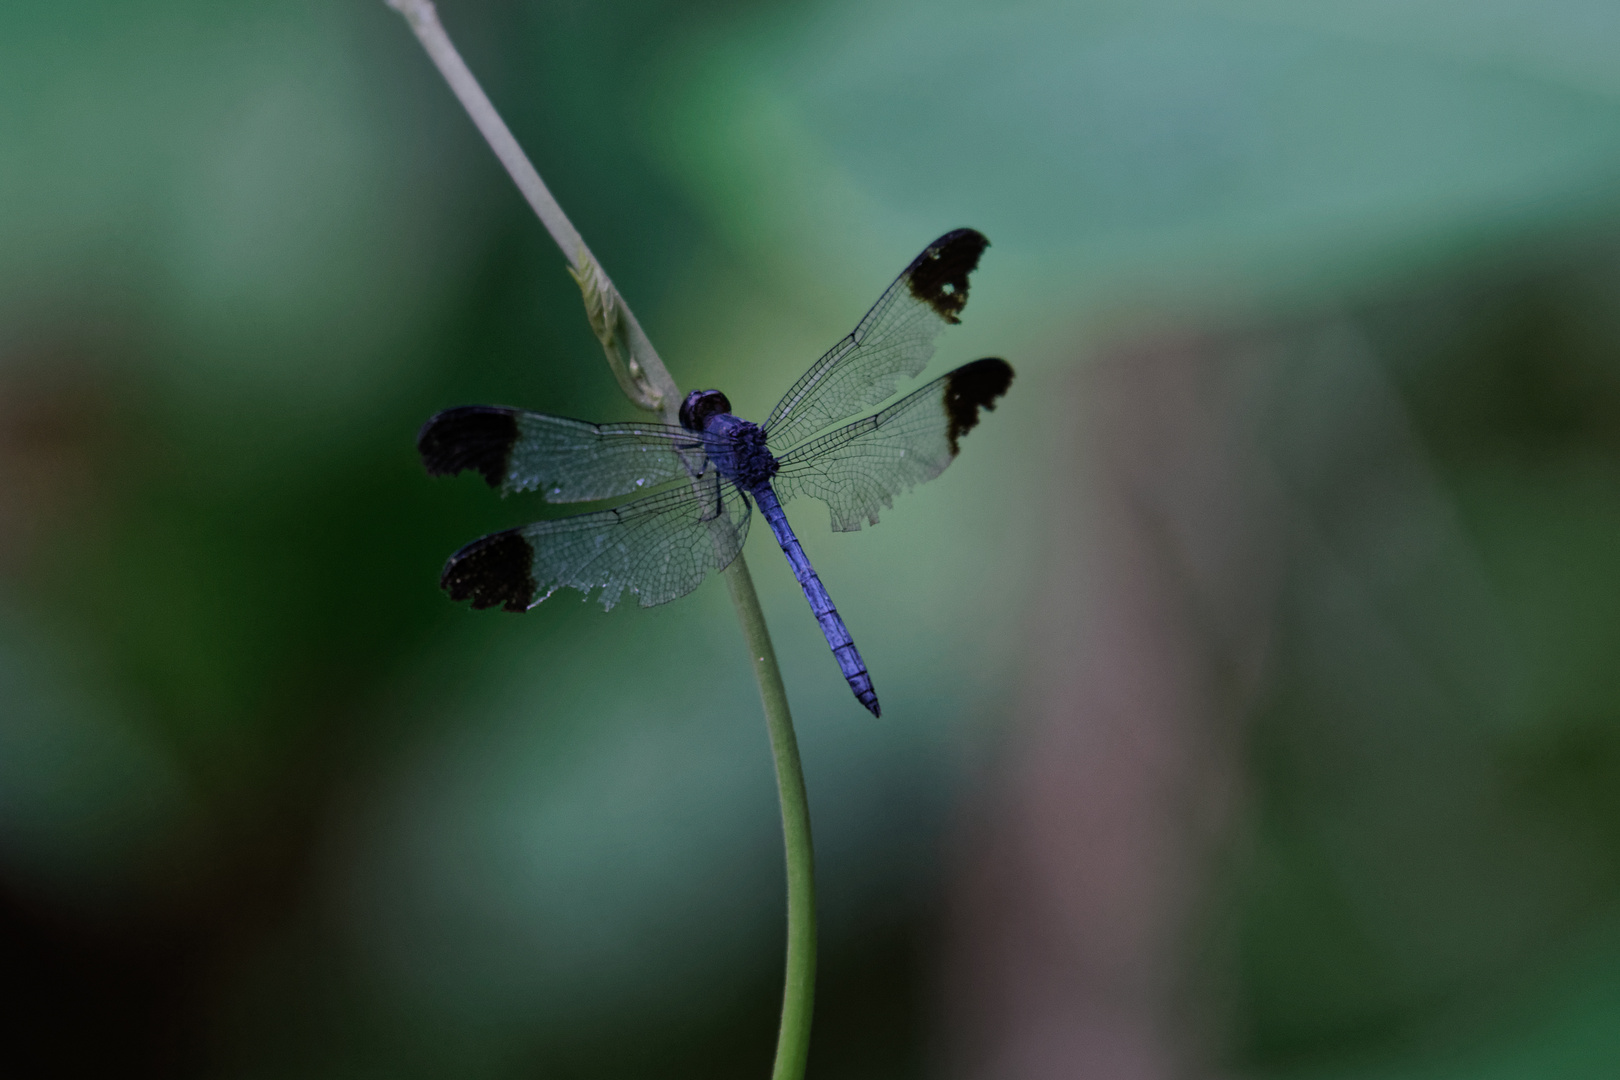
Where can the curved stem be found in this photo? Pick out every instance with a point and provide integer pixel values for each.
(636, 364)
(647, 382)
(799, 988)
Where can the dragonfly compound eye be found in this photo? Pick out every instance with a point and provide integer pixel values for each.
(700, 405)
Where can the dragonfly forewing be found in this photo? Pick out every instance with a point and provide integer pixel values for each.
(564, 460)
(894, 340)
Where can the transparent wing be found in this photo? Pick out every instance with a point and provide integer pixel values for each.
(565, 460)
(861, 467)
(895, 339)
(656, 548)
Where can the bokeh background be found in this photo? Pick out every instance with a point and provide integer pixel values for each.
(1251, 689)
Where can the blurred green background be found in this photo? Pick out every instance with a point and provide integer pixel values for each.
(1251, 690)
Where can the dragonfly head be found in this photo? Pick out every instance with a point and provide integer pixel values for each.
(700, 405)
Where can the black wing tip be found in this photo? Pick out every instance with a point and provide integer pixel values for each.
(965, 238)
(939, 276)
(496, 570)
(970, 388)
(477, 437)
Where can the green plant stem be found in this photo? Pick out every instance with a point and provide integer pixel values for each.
(799, 988)
(641, 374)
(648, 384)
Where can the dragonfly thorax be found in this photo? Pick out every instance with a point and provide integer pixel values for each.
(737, 448)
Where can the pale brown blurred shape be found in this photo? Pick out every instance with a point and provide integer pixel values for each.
(1082, 878)
(56, 435)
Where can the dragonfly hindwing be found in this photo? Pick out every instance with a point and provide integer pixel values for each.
(493, 571)
(858, 469)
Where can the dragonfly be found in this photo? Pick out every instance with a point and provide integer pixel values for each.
(702, 478)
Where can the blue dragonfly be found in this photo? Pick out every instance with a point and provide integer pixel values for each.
(703, 476)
